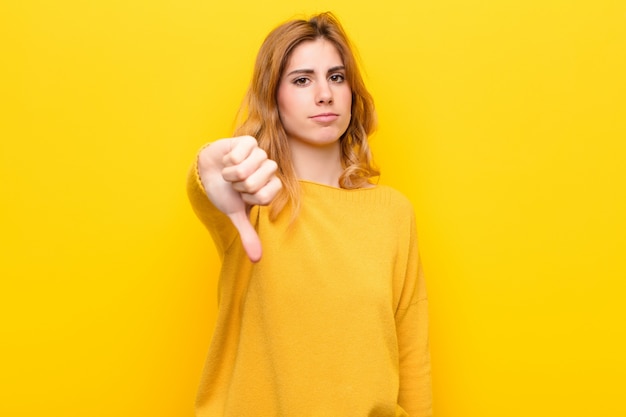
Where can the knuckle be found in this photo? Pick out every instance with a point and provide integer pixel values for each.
(264, 197)
(260, 154)
(249, 184)
(248, 140)
(240, 173)
(272, 165)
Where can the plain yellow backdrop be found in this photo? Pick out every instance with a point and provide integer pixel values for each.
(503, 121)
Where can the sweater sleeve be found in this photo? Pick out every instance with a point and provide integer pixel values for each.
(415, 395)
(219, 225)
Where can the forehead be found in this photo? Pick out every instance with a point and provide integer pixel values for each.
(318, 54)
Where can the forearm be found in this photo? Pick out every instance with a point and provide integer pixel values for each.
(415, 394)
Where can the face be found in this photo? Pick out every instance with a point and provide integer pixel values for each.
(314, 98)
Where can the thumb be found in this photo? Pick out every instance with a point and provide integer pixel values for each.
(249, 237)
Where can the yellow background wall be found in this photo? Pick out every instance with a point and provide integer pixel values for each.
(503, 121)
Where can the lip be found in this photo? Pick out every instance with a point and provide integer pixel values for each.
(325, 117)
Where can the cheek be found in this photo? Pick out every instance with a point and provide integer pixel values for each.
(347, 97)
(348, 102)
(287, 102)
(287, 110)
(280, 100)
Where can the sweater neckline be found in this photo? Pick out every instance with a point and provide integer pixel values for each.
(376, 194)
(309, 183)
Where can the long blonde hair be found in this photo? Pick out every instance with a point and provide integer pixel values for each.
(262, 120)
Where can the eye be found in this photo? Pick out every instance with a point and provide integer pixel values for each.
(302, 81)
(337, 78)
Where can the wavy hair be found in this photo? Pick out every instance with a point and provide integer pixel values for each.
(259, 115)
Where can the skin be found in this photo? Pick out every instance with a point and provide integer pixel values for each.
(236, 175)
(314, 103)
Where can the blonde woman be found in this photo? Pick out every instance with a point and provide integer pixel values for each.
(322, 303)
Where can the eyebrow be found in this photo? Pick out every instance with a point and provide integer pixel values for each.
(310, 71)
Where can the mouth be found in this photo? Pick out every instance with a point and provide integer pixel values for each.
(325, 117)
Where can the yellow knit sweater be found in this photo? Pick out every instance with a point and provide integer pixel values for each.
(332, 322)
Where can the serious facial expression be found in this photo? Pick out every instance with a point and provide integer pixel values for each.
(314, 98)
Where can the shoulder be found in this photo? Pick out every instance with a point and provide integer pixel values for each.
(396, 198)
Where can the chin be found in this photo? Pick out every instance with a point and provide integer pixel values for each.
(327, 141)
(323, 138)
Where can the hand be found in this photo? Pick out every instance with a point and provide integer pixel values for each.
(237, 175)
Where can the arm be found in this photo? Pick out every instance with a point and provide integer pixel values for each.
(219, 225)
(415, 394)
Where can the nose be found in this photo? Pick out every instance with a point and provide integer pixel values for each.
(324, 93)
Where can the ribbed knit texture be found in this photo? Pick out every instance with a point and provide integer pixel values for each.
(332, 322)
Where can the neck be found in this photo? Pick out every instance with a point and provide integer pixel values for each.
(321, 164)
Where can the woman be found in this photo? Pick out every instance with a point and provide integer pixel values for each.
(322, 304)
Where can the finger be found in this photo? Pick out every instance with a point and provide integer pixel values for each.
(265, 195)
(249, 237)
(257, 179)
(240, 172)
(240, 149)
